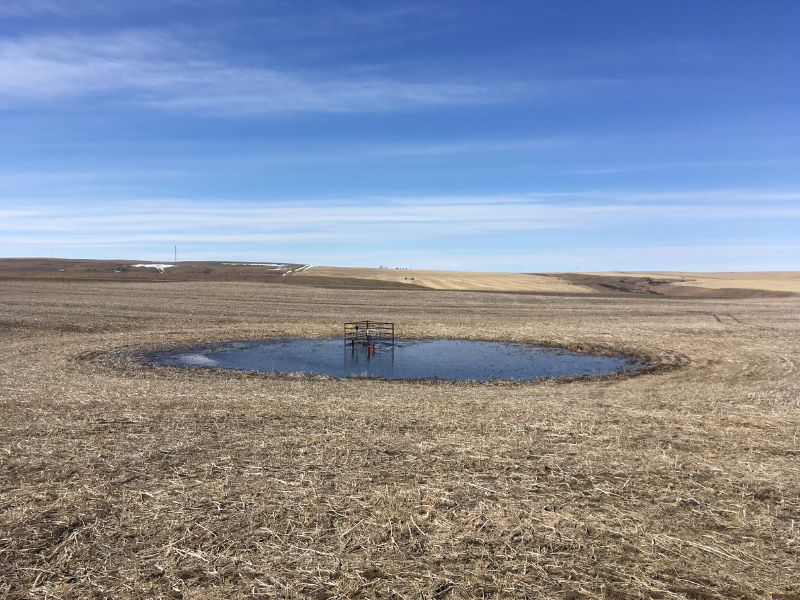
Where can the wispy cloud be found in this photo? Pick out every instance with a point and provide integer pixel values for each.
(685, 165)
(518, 233)
(29, 8)
(158, 70)
(399, 219)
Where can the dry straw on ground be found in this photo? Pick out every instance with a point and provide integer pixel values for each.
(133, 482)
(778, 281)
(453, 280)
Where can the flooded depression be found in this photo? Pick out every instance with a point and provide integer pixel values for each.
(443, 359)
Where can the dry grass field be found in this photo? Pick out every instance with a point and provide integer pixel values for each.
(753, 284)
(677, 284)
(63, 269)
(778, 281)
(673, 284)
(454, 280)
(122, 481)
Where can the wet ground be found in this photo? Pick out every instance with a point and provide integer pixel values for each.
(446, 359)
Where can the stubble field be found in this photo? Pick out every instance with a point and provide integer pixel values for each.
(136, 482)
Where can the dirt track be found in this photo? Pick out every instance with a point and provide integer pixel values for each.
(124, 481)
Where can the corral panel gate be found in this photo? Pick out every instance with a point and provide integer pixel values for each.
(369, 332)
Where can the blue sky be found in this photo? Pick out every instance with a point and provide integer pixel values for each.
(508, 136)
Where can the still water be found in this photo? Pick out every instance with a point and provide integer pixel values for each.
(446, 359)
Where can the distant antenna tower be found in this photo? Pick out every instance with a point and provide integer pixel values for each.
(176, 254)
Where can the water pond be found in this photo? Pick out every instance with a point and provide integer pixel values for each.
(445, 359)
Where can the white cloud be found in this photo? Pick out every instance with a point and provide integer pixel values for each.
(458, 232)
(400, 219)
(156, 70)
(29, 8)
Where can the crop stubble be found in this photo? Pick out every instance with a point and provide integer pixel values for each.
(128, 481)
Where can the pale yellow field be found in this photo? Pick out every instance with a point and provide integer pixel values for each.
(120, 480)
(455, 280)
(778, 281)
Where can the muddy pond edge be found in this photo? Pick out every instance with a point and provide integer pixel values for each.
(123, 360)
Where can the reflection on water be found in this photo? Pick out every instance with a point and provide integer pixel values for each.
(453, 360)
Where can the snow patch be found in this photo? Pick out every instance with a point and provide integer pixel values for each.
(289, 272)
(159, 267)
(281, 266)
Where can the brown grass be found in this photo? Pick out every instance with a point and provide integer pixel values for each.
(62, 269)
(133, 482)
(455, 280)
(776, 281)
